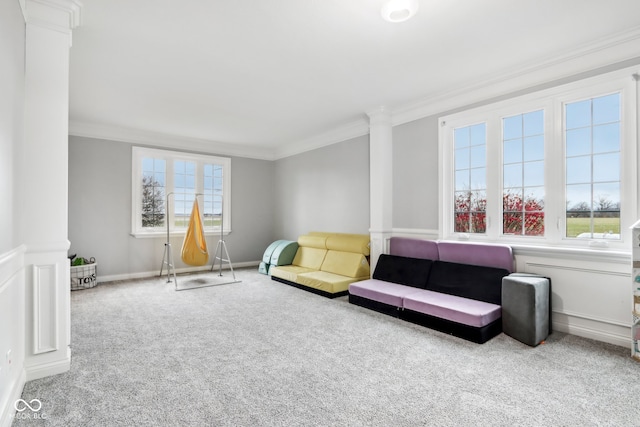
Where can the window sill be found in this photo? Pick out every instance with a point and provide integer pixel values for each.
(180, 233)
(584, 254)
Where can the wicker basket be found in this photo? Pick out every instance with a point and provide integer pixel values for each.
(84, 276)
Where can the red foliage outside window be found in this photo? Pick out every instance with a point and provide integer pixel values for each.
(520, 217)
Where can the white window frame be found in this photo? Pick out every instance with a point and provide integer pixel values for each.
(552, 101)
(138, 153)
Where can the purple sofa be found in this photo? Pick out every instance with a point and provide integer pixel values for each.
(452, 287)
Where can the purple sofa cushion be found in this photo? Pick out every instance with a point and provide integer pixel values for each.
(403, 270)
(381, 291)
(498, 256)
(462, 310)
(413, 248)
(468, 281)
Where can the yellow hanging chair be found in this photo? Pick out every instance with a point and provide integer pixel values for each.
(194, 245)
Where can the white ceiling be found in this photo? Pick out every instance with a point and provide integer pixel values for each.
(270, 75)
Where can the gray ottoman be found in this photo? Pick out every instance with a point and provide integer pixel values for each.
(526, 307)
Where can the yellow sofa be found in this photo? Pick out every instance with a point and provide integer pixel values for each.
(326, 263)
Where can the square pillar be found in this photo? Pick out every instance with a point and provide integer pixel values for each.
(381, 181)
(42, 188)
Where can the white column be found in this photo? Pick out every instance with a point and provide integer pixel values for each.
(380, 180)
(43, 185)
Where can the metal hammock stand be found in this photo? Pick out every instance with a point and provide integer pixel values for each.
(222, 255)
(167, 258)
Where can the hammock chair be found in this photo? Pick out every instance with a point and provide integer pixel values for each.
(194, 245)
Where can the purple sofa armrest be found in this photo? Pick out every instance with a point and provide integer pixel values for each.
(413, 248)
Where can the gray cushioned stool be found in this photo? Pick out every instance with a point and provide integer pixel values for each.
(526, 307)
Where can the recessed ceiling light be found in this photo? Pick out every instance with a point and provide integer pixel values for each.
(399, 10)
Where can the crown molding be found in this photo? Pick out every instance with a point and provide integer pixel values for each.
(58, 15)
(618, 48)
(155, 139)
(160, 140)
(347, 131)
(379, 116)
(23, 7)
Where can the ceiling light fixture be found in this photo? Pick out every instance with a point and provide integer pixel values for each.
(399, 10)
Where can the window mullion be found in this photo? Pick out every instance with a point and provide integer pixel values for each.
(226, 196)
(137, 191)
(494, 177)
(170, 188)
(199, 177)
(630, 202)
(200, 187)
(554, 155)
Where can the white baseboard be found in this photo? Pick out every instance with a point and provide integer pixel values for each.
(584, 332)
(8, 409)
(146, 274)
(36, 372)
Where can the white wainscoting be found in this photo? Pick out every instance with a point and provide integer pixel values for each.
(12, 332)
(47, 310)
(590, 297)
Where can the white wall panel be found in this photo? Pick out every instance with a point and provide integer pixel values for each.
(12, 331)
(45, 308)
(590, 298)
(12, 281)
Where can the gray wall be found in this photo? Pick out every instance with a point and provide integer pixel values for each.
(100, 210)
(12, 45)
(252, 209)
(415, 174)
(326, 189)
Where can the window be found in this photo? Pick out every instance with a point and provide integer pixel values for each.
(165, 185)
(554, 167)
(213, 191)
(153, 192)
(470, 183)
(523, 174)
(184, 192)
(592, 135)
